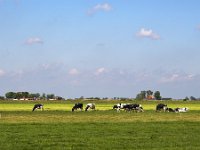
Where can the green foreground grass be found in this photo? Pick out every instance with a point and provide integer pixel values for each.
(58, 128)
(134, 135)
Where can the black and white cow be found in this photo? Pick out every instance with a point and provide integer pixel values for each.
(128, 107)
(119, 106)
(115, 106)
(160, 107)
(170, 110)
(38, 106)
(185, 109)
(77, 106)
(135, 107)
(90, 106)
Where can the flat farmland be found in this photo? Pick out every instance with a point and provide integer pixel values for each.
(58, 128)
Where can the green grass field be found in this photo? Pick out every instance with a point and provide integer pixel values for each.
(58, 128)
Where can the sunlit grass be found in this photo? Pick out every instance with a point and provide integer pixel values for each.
(100, 105)
(95, 116)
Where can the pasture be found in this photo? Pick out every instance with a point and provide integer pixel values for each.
(58, 128)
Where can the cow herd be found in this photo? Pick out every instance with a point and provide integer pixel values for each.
(121, 106)
(163, 107)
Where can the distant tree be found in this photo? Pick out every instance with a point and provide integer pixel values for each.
(34, 95)
(82, 97)
(43, 96)
(141, 95)
(10, 95)
(97, 98)
(50, 96)
(22, 95)
(2, 97)
(157, 95)
(59, 98)
(186, 99)
(193, 98)
(149, 93)
(25, 94)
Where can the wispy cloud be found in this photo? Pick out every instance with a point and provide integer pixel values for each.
(123, 81)
(100, 7)
(100, 71)
(73, 71)
(2, 72)
(34, 40)
(148, 33)
(177, 77)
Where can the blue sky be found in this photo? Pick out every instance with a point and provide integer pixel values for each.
(100, 48)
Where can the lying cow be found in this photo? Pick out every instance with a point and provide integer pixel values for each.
(161, 107)
(77, 106)
(90, 106)
(38, 106)
(170, 110)
(185, 109)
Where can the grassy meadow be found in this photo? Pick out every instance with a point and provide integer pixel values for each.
(58, 128)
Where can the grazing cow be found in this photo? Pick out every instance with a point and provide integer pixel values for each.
(185, 109)
(160, 107)
(135, 107)
(170, 110)
(119, 106)
(77, 106)
(90, 105)
(115, 106)
(38, 106)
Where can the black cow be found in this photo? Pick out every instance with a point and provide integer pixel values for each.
(38, 106)
(135, 107)
(77, 106)
(160, 107)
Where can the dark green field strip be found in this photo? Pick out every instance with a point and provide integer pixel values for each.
(177, 135)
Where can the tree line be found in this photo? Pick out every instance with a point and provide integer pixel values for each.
(149, 95)
(30, 96)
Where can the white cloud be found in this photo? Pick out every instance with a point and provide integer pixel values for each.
(100, 71)
(171, 78)
(148, 33)
(190, 76)
(100, 7)
(2, 72)
(177, 77)
(34, 40)
(73, 71)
